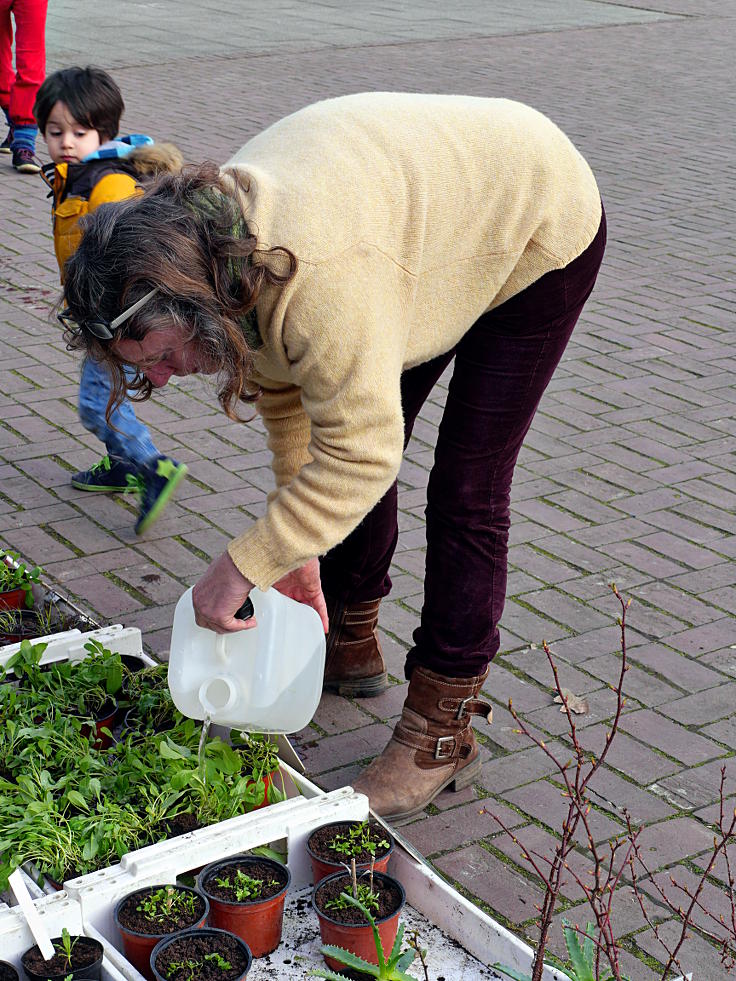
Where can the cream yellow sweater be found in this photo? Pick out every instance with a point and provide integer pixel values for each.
(410, 216)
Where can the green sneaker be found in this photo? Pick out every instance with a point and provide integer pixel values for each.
(106, 477)
(157, 482)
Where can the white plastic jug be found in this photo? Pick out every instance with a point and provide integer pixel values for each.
(267, 679)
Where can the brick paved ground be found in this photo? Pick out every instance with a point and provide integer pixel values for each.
(628, 473)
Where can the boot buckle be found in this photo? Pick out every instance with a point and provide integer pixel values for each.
(461, 707)
(439, 754)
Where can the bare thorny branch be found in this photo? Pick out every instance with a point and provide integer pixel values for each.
(623, 853)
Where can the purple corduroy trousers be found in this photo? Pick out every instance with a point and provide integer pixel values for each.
(502, 366)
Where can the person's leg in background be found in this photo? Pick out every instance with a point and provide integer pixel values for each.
(30, 71)
(132, 461)
(355, 574)
(7, 74)
(502, 368)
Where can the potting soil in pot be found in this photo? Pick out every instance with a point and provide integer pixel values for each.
(84, 953)
(196, 949)
(8, 972)
(300, 945)
(273, 881)
(389, 899)
(136, 920)
(320, 843)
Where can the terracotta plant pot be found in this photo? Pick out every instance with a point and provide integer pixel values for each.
(322, 867)
(137, 946)
(268, 780)
(40, 970)
(8, 972)
(24, 626)
(105, 719)
(12, 599)
(257, 921)
(357, 937)
(203, 935)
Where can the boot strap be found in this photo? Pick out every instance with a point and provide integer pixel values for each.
(445, 748)
(466, 706)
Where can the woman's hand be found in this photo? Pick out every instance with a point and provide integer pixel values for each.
(305, 586)
(219, 594)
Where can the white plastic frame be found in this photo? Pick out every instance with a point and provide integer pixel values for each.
(89, 900)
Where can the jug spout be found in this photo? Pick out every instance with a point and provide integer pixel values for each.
(218, 695)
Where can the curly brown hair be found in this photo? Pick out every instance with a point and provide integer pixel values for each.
(188, 238)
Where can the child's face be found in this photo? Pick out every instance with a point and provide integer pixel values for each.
(68, 141)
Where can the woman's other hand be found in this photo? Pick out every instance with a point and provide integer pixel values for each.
(305, 586)
(219, 594)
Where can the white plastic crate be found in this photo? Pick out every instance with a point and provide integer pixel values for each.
(436, 909)
(57, 911)
(69, 645)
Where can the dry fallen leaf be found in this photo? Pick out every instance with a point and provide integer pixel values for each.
(575, 703)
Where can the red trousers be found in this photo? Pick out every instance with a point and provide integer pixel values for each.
(18, 88)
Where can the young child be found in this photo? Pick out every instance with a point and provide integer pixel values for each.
(78, 111)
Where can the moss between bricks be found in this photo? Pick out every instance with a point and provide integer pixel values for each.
(198, 552)
(66, 542)
(130, 590)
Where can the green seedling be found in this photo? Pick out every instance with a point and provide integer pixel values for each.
(188, 969)
(356, 841)
(167, 902)
(581, 966)
(66, 946)
(391, 968)
(365, 895)
(245, 887)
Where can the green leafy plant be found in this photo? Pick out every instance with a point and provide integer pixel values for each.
(188, 969)
(69, 806)
(365, 895)
(245, 887)
(391, 968)
(167, 902)
(15, 574)
(356, 841)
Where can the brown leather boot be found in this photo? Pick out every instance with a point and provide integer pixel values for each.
(433, 746)
(354, 665)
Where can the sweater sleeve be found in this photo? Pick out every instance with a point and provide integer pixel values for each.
(288, 428)
(344, 338)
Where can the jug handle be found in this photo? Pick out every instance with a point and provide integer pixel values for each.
(220, 648)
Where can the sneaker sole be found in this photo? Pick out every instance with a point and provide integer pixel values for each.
(98, 488)
(5, 149)
(28, 169)
(163, 499)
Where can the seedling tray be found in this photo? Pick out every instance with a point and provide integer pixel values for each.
(463, 941)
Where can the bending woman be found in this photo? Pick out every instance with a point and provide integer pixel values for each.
(330, 273)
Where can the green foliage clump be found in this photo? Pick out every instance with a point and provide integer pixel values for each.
(70, 806)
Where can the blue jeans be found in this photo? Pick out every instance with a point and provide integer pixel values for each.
(130, 441)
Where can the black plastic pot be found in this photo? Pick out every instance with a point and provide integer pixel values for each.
(202, 933)
(8, 972)
(92, 971)
(24, 626)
